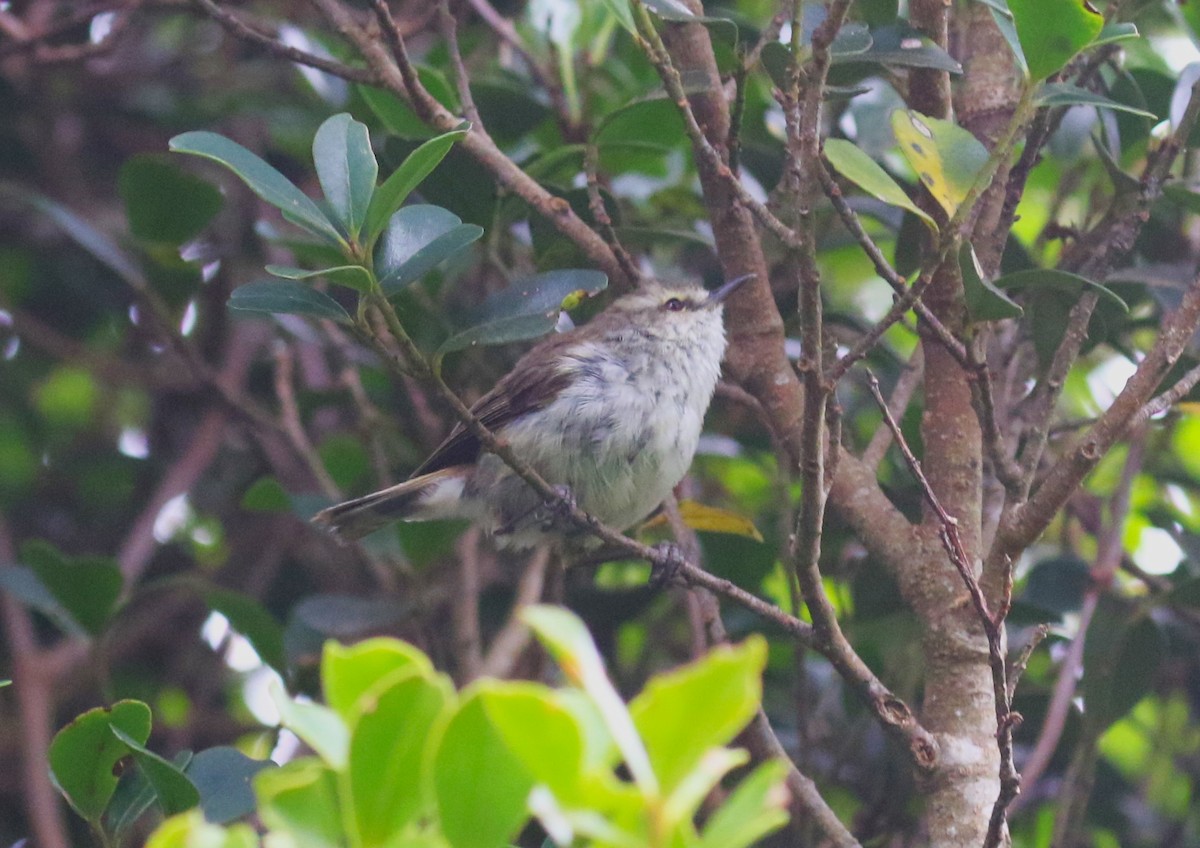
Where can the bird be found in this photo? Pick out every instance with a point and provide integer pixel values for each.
(609, 413)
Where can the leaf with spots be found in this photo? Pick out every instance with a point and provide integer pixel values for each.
(946, 157)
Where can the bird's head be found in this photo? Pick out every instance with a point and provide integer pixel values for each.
(676, 307)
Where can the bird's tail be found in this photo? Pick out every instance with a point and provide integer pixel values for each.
(434, 495)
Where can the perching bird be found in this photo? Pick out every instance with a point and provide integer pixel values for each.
(611, 411)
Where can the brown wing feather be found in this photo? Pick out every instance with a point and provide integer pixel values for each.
(532, 384)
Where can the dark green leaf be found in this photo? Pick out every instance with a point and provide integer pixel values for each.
(84, 754)
(222, 776)
(265, 495)
(1047, 278)
(542, 294)
(351, 276)
(24, 585)
(985, 302)
(164, 203)
(430, 256)
(500, 331)
(1113, 32)
(87, 587)
(1058, 584)
(262, 179)
(1052, 32)
(249, 618)
(1120, 661)
(275, 296)
(396, 117)
(901, 45)
(676, 12)
(350, 617)
(347, 168)
(1064, 94)
(172, 789)
(417, 166)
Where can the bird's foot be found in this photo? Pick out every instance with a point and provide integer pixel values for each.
(556, 513)
(665, 568)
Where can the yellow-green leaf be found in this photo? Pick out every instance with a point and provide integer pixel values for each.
(946, 157)
(710, 519)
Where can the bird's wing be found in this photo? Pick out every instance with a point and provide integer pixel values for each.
(533, 383)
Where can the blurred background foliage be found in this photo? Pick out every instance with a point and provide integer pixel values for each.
(160, 454)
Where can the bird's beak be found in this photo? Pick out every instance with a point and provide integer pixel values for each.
(717, 296)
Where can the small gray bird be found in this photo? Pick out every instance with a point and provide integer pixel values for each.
(611, 411)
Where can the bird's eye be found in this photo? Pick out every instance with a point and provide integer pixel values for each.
(674, 304)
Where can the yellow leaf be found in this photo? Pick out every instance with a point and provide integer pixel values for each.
(710, 519)
(946, 157)
(1190, 407)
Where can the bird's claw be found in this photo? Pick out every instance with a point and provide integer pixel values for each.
(666, 566)
(556, 512)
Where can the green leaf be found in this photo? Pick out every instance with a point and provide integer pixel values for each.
(1052, 32)
(351, 276)
(174, 792)
(262, 179)
(347, 672)
(542, 294)
(25, 586)
(164, 203)
(222, 776)
(301, 799)
(900, 45)
(387, 781)
(251, 619)
(501, 331)
(265, 494)
(417, 239)
(416, 167)
(190, 830)
(480, 785)
(1058, 584)
(319, 727)
(1120, 661)
(1008, 29)
(756, 808)
(541, 732)
(1114, 32)
(84, 754)
(274, 296)
(1064, 94)
(347, 168)
(1050, 278)
(394, 114)
(430, 256)
(676, 12)
(946, 157)
(985, 302)
(728, 682)
(623, 14)
(867, 174)
(86, 587)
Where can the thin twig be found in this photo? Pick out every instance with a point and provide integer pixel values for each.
(239, 28)
(993, 628)
(902, 392)
(514, 636)
(591, 167)
(289, 415)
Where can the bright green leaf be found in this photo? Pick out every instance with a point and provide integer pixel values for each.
(190, 830)
(756, 808)
(1052, 32)
(261, 178)
(86, 587)
(543, 734)
(946, 157)
(347, 168)
(301, 799)
(319, 727)
(351, 276)
(728, 682)
(389, 745)
(84, 754)
(416, 167)
(622, 12)
(347, 672)
(480, 785)
(867, 174)
(164, 203)
(985, 302)
(172, 788)
(277, 297)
